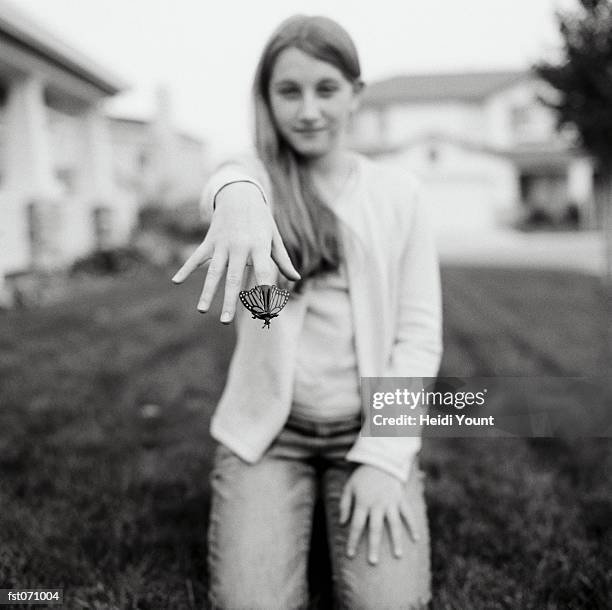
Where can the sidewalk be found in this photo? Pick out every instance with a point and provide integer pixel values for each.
(582, 251)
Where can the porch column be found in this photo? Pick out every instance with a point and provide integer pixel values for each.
(99, 175)
(29, 167)
(580, 189)
(29, 161)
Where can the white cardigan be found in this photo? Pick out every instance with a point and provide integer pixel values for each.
(394, 287)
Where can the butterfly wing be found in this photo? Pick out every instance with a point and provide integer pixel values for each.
(278, 299)
(253, 300)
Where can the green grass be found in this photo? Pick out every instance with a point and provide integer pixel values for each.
(113, 506)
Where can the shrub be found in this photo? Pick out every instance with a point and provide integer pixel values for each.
(109, 261)
(181, 222)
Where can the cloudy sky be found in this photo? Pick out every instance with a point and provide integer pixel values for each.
(206, 52)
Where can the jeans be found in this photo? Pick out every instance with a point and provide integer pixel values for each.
(261, 520)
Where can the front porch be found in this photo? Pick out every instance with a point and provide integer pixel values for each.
(55, 159)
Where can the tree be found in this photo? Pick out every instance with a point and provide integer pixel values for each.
(583, 83)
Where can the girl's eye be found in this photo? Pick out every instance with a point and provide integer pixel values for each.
(322, 91)
(289, 92)
(327, 91)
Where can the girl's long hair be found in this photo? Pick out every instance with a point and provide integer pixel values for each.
(309, 228)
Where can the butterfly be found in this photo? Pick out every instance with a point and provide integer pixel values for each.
(264, 301)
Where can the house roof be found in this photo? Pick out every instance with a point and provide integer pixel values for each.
(543, 156)
(466, 86)
(144, 124)
(23, 31)
(537, 156)
(428, 139)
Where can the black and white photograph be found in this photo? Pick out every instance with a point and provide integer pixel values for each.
(306, 305)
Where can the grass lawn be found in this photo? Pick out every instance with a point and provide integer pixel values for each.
(108, 497)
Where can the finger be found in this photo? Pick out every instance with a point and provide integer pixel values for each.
(200, 255)
(281, 257)
(375, 528)
(215, 272)
(358, 521)
(395, 531)
(264, 272)
(408, 519)
(233, 281)
(345, 503)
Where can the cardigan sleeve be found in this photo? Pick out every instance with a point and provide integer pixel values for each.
(245, 166)
(417, 348)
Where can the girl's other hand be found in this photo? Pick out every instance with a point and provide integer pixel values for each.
(242, 232)
(375, 495)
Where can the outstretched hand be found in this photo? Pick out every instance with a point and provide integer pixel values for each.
(242, 232)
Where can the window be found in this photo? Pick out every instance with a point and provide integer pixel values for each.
(519, 119)
(66, 177)
(103, 226)
(143, 160)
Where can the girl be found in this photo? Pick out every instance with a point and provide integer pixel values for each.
(365, 303)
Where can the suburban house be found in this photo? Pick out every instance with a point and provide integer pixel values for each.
(483, 145)
(71, 178)
(154, 161)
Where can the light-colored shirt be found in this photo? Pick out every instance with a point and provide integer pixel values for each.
(326, 379)
(395, 294)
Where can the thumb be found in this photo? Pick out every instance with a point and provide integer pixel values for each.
(281, 257)
(345, 504)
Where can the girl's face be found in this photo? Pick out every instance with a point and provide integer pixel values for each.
(311, 102)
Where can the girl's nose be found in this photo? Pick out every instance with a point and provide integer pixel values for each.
(309, 109)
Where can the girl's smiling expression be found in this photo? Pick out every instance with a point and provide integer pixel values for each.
(311, 102)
